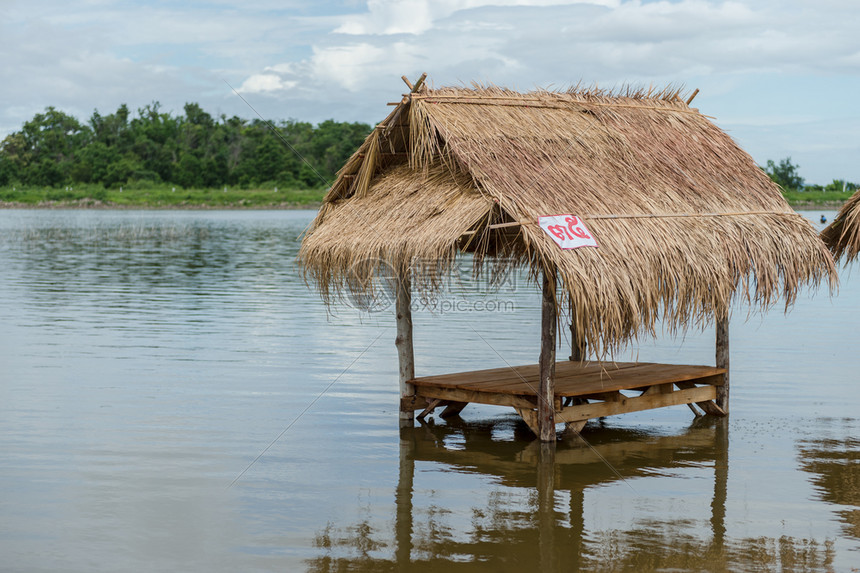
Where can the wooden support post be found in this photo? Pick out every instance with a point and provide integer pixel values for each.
(453, 409)
(577, 345)
(403, 342)
(722, 355)
(546, 392)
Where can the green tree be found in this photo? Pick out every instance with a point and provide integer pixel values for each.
(92, 162)
(44, 148)
(333, 142)
(8, 171)
(840, 185)
(270, 160)
(11, 158)
(46, 173)
(196, 129)
(191, 150)
(785, 173)
(112, 130)
(120, 171)
(155, 142)
(188, 173)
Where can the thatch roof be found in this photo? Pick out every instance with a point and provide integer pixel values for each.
(684, 218)
(842, 236)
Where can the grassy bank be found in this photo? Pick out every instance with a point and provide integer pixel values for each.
(159, 197)
(816, 199)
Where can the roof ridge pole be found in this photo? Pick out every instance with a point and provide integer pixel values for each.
(403, 342)
(722, 359)
(546, 391)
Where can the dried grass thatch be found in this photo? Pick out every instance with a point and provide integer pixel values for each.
(842, 236)
(685, 219)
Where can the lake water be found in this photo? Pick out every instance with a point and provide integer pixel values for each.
(173, 397)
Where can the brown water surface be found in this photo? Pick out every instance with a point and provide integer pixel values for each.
(174, 397)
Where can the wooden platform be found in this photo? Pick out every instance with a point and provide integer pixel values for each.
(582, 390)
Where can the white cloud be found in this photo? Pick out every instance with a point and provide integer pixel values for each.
(354, 66)
(265, 83)
(418, 16)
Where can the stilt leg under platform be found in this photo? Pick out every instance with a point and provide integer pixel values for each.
(722, 360)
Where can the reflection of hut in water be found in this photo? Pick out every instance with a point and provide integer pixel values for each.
(835, 464)
(536, 517)
(842, 236)
(684, 221)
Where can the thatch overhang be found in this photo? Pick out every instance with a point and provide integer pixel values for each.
(842, 236)
(684, 218)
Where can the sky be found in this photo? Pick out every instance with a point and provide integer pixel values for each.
(782, 77)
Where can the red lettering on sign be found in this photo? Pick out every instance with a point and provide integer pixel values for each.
(558, 230)
(572, 224)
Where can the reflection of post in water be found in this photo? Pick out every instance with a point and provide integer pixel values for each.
(546, 505)
(403, 500)
(721, 479)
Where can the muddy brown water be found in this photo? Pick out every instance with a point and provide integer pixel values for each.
(149, 360)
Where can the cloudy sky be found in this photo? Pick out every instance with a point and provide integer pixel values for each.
(781, 76)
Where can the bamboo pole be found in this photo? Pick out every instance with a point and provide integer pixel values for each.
(403, 342)
(546, 392)
(692, 97)
(722, 356)
(589, 217)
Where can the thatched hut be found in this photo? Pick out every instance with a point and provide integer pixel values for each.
(684, 219)
(842, 236)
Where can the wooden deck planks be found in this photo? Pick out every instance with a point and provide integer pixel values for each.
(572, 379)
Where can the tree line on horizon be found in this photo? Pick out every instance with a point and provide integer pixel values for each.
(787, 175)
(192, 150)
(197, 150)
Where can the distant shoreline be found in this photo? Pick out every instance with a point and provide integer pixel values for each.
(811, 205)
(102, 206)
(286, 206)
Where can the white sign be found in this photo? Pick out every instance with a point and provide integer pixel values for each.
(568, 231)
